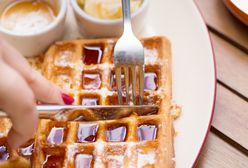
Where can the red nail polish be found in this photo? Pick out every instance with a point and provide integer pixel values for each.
(68, 100)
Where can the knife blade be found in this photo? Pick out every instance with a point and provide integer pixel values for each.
(91, 113)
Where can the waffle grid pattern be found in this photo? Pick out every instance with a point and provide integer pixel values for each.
(104, 152)
(66, 67)
(134, 141)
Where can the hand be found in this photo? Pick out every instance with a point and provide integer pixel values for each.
(20, 86)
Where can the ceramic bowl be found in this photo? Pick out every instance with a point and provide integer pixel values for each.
(92, 27)
(37, 42)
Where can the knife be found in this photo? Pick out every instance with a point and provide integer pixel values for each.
(91, 113)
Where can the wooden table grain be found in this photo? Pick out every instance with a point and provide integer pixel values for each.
(227, 143)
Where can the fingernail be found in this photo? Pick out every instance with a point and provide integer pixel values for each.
(68, 100)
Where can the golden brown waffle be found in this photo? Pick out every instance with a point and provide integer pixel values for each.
(8, 157)
(69, 65)
(84, 68)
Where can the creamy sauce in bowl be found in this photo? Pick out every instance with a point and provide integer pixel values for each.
(27, 17)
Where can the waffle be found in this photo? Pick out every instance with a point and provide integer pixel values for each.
(84, 69)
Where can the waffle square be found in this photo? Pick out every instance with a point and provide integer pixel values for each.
(85, 69)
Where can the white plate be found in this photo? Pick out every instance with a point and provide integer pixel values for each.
(194, 79)
(193, 72)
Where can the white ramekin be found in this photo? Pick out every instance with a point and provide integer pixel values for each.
(91, 26)
(36, 43)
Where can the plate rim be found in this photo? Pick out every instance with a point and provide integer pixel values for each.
(215, 84)
(236, 11)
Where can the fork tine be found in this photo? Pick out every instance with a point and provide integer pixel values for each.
(118, 83)
(126, 76)
(133, 71)
(141, 84)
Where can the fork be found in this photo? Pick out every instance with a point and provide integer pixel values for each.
(129, 55)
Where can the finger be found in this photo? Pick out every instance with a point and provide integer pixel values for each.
(12, 57)
(17, 99)
(42, 88)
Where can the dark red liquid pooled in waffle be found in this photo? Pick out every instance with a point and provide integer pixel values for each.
(27, 149)
(83, 161)
(53, 161)
(4, 154)
(151, 82)
(92, 54)
(90, 101)
(116, 134)
(87, 132)
(56, 135)
(91, 81)
(147, 132)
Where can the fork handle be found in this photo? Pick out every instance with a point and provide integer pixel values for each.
(126, 12)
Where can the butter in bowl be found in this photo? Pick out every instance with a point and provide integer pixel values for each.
(107, 9)
(103, 18)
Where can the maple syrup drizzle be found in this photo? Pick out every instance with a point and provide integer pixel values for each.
(92, 55)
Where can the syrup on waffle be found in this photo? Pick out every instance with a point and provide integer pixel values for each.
(84, 68)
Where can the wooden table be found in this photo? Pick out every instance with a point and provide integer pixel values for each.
(227, 143)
